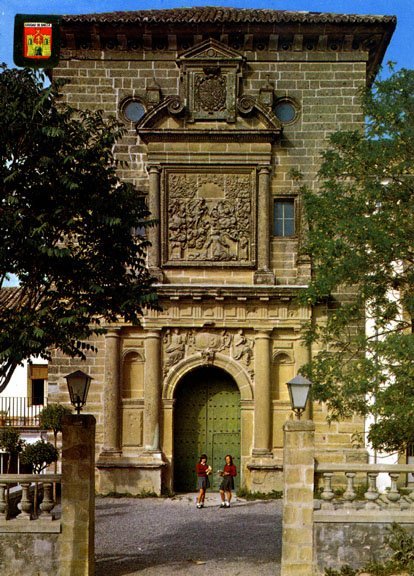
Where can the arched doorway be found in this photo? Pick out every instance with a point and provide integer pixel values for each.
(206, 419)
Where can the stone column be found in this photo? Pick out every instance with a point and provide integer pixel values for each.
(263, 275)
(298, 467)
(111, 427)
(303, 356)
(77, 545)
(154, 251)
(262, 395)
(152, 391)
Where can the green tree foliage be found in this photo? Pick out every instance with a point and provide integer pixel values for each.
(11, 443)
(39, 455)
(361, 240)
(66, 224)
(51, 418)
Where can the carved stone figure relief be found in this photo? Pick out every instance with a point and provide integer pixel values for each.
(242, 348)
(174, 347)
(181, 343)
(209, 218)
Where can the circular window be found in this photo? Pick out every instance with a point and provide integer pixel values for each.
(285, 111)
(133, 110)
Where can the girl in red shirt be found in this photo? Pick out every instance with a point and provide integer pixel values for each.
(227, 484)
(202, 470)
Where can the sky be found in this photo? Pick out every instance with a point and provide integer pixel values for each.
(400, 50)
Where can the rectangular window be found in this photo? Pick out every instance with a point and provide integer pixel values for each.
(38, 392)
(38, 374)
(284, 217)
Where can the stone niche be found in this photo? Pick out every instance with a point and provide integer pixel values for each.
(210, 73)
(209, 216)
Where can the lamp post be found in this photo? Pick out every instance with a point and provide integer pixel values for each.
(78, 385)
(299, 388)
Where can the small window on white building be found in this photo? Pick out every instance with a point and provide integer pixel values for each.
(36, 393)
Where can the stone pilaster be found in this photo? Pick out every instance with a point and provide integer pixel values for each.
(302, 357)
(263, 275)
(152, 391)
(77, 545)
(298, 465)
(262, 399)
(111, 428)
(154, 251)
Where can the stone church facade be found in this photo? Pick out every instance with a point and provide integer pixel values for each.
(220, 105)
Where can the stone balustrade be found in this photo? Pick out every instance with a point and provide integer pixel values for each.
(23, 490)
(350, 526)
(52, 538)
(365, 475)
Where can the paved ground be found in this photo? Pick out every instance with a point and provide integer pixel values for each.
(160, 536)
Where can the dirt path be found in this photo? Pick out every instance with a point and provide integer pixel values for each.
(158, 536)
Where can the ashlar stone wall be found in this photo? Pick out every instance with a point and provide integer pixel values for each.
(210, 143)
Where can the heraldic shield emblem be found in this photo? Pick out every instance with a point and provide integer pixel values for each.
(36, 40)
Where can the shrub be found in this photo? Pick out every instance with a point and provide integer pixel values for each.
(11, 443)
(39, 455)
(247, 495)
(51, 417)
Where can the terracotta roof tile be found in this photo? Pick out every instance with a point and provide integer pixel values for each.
(217, 14)
(9, 297)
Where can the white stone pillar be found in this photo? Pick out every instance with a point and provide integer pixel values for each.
(154, 236)
(263, 275)
(152, 391)
(111, 427)
(262, 395)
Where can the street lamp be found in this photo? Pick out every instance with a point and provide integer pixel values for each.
(299, 388)
(78, 386)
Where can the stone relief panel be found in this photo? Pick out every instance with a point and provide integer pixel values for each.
(179, 344)
(209, 217)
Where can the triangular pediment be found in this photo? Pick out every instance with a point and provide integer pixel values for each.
(210, 50)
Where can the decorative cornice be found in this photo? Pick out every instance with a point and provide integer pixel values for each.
(211, 50)
(173, 105)
(254, 33)
(183, 135)
(181, 292)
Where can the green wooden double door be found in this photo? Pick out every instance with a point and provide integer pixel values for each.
(206, 420)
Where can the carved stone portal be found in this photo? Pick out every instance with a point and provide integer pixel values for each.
(181, 343)
(209, 218)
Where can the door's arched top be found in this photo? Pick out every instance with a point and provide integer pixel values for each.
(228, 365)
